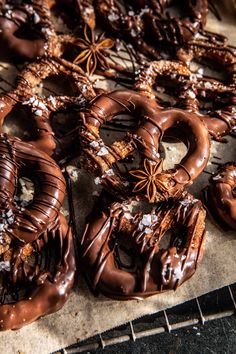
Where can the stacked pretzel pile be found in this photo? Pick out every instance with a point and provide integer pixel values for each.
(149, 52)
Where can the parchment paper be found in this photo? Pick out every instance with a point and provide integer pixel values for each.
(84, 315)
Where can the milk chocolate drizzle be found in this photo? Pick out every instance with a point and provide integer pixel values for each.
(156, 269)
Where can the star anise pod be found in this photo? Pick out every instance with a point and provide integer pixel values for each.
(147, 178)
(93, 50)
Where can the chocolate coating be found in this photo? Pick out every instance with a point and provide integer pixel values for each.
(153, 269)
(22, 159)
(220, 195)
(152, 122)
(47, 290)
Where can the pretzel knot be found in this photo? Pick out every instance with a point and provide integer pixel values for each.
(152, 121)
(221, 197)
(19, 159)
(121, 248)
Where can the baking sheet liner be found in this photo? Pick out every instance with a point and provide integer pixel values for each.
(85, 315)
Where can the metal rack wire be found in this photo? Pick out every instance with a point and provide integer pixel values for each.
(212, 306)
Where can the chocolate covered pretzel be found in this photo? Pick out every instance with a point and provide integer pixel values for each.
(41, 108)
(37, 278)
(188, 89)
(121, 251)
(135, 21)
(152, 123)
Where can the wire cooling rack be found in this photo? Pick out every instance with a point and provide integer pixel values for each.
(212, 306)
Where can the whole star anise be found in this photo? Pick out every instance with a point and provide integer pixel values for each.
(147, 178)
(93, 50)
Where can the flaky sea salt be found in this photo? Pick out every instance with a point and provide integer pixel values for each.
(103, 151)
(5, 265)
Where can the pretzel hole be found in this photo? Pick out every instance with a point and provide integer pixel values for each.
(26, 31)
(57, 85)
(208, 68)
(174, 148)
(117, 128)
(19, 123)
(64, 122)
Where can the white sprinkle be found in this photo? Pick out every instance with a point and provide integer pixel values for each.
(9, 213)
(191, 94)
(128, 216)
(38, 112)
(53, 101)
(94, 143)
(97, 180)
(217, 177)
(147, 230)
(207, 85)
(5, 265)
(200, 71)
(109, 172)
(113, 17)
(103, 151)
